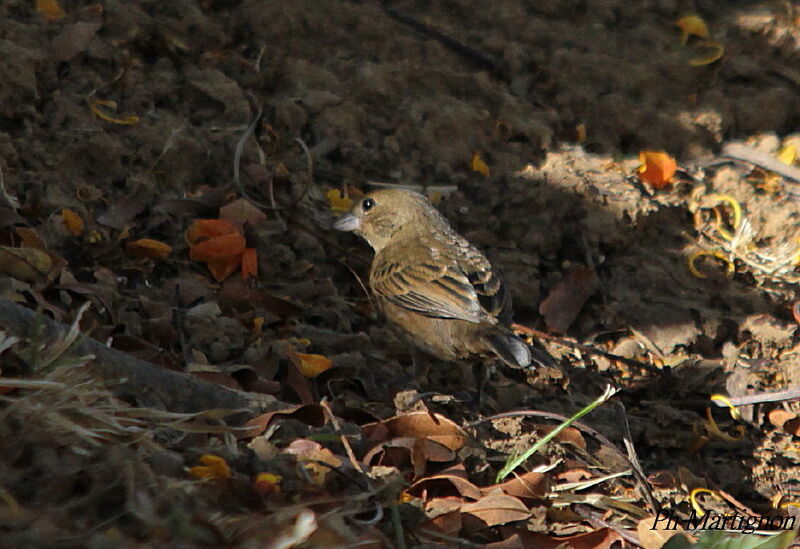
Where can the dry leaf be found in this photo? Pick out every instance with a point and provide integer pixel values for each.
(423, 425)
(312, 365)
(654, 534)
(148, 247)
(242, 211)
(656, 168)
(72, 221)
(496, 509)
(476, 164)
(526, 486)
(27, 264)
(313, 414)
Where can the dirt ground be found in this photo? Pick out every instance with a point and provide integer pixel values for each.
(142, 117)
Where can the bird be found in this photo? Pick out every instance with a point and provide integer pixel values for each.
(439, 290)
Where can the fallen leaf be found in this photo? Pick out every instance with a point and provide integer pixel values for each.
(562, 306)
(476, 164)
(788, 421)
(653, 534)
(656, 168)
(692, 25)
(148, 247)
(50, 9)
(450, 482)
(526, 486)
(242, 211)
(72, 221)
(312, 414)
(602, 538)
(496, 509)
(311, 365)
(424, 425)
(73, 40)
(27, 264)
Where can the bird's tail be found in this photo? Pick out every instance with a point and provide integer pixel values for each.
(515, 352)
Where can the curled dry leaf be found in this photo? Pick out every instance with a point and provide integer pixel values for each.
(785, 420)
(242, 211)
(147, 247)
(310, 365)
(423, 425)
(526, 486)
(313, 414)
(450, 482)
(27, 264)
(496, 509)
(656, 168)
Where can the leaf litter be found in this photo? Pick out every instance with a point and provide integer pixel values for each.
(663, 265)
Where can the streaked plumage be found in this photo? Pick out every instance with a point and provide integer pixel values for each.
(431, 283)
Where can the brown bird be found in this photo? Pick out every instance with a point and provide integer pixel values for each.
(431, 283)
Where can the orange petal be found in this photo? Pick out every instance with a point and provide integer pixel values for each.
(212, 467)
(218, 247)
(223, 268)
(209, 228)
(249, 264)
(72, 221)
(148, 247)
(656, 168)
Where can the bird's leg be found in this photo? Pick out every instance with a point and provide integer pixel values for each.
(420, 364)
(481, 373)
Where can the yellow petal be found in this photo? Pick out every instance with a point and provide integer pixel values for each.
(692, 25)
(788, 155)
(477, 164)
(715, 53)
(339, 202)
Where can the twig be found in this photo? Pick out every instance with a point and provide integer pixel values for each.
(237, 159)
(342, 438)
(633, 458)
(740, 151)
(760, 398)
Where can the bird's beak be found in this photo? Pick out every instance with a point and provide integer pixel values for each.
(348, 222)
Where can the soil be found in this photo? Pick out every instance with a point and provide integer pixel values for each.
(557, 98)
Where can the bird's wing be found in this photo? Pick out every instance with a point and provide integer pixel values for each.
(430, 284)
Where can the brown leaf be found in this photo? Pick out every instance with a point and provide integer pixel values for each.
(496, 509)
(448, 524)
(450, 482)
(121, 213)
(654, 534)
(602, 538)
(313, 414)
(526, 486)
(562, 305)
(27, 264)
(425, 425)
(242, 211)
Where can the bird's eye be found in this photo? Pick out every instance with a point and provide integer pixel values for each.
(367, 204)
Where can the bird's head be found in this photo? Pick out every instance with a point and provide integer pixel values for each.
(386, 214)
